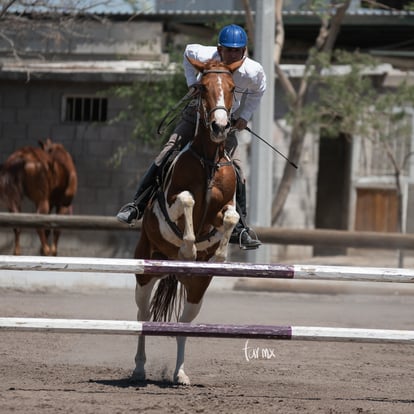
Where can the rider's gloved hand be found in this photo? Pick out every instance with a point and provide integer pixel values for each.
(239, 124)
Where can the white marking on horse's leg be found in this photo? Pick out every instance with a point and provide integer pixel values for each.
(184, 205)
(190, 311)
(230, 219)
(142, 299)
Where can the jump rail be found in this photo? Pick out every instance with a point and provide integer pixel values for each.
(301, 237)
(272, 271)
(300, 333)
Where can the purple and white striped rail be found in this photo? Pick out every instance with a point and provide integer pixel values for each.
(300, 333)
(272, 271)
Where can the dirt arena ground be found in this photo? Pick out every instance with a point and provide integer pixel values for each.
(67, 373)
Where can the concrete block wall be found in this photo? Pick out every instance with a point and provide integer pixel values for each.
(33, 113)
(93, 40)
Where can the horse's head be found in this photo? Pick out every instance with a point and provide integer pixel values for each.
(216, 92)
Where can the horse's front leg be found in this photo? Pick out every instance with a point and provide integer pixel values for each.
(230, 219)
(56, 232)
(45, 248)
(142, 299)
(43, 208)
(183, 205)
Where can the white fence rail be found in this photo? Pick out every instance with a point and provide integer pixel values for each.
(273, 235)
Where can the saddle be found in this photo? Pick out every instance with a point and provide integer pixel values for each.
(164, 171)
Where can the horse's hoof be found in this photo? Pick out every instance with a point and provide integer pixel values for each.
(181, 379)
(137, 376)
(45, 251)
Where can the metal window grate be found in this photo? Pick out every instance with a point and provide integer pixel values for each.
(85, 109)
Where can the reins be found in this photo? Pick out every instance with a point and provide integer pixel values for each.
(207, 114)
(209, 165)
(186, 97)
(189, 97)
(214, 165)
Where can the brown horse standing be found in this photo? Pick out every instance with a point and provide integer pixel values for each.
(194, 214)
(47, 176)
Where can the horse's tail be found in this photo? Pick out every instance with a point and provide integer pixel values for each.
(167, 300)
(64, 159)
(11, 183)
(72, 187)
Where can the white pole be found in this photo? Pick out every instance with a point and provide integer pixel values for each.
(261, 166)
(300, 333)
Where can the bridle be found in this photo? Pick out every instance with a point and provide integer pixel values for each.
(210, 166)
(201, 102)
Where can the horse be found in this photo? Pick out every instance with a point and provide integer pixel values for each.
(47, 176)
(192, 215)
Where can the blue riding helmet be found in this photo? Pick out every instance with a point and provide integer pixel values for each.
(232, 36)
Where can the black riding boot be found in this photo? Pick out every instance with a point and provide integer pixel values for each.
(240, 233)
(135, 210)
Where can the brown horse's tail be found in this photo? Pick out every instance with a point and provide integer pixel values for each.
(167, 300)
(11, 184)
(72, 187)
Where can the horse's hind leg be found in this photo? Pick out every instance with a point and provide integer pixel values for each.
(43, 208)
(142, 299)
(45, 249)
(17, 250)
(55, 239)
(190, 311)
(56, 232)
(195, 291)
(14, 207)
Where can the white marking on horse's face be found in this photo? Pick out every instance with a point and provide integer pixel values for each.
(220, 115)
(219, 124)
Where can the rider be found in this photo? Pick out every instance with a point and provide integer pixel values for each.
(250, 81)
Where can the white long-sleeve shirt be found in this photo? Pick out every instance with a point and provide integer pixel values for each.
(250, 79)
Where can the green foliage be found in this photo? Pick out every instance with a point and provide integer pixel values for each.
(409, 6)
(378, 4)
(347, 100)
(322, 8)
(149, 101)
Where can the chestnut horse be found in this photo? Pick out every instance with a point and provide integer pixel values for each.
(47, 176)
(193, 214)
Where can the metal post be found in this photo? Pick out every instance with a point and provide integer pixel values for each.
(261, 165)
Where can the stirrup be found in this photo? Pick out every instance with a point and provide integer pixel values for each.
(255, 239)
(127, 220)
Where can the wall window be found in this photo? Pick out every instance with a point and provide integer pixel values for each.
(84, 109)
